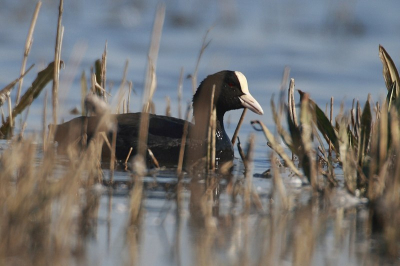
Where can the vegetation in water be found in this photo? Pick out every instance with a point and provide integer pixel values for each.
(49, 206)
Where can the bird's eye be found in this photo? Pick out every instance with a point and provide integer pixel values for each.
(230, 84)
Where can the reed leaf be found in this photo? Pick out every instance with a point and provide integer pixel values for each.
(295, 136)
(390, 75)
(284, 135)
(323, 123)
(366, 124)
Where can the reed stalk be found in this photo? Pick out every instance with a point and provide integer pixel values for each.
(57, 59)
(28, 46)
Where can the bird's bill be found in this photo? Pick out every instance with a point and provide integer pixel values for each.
(249, 102)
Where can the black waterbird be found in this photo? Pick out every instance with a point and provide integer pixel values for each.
(165, 133)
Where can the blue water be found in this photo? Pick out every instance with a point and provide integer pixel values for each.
(331, 48)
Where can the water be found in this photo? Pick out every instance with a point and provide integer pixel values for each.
(331, 48)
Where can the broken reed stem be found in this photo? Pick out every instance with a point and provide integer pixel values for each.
(57, 58)
(183, 144)
(28, 46)
(153, 158)
(238, 126)
(129, 155)
(180, 86)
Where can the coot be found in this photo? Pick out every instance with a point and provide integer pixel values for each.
(165, 133)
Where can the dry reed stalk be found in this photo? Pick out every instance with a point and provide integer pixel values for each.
(28, 46)
(249, 173)
(238, 126)
(330, 120)
(121, 90)
(213, 138)
(112, 157)
(44, 118)
(24, 123)
(277, 147)
(180, 87)
(10, 114)
(183, 145)
(304, 238)
(395, 180)
(104, 67)
(129, 155)
(57, 59)
(135, 204)
(84, 92)
(383, 136)
(150, 81)
(283, 86)
(92, 81)
(241, 153)
(168, 108)
(143, 130)
(129, 96)
(204, 45)
(153, 158)
(278, 186)
(306, 122)
(211, 134)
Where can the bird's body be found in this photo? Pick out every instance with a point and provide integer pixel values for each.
(165, 133)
